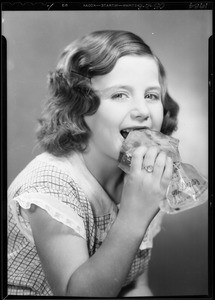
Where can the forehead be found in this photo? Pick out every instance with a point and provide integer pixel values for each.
(129, 69)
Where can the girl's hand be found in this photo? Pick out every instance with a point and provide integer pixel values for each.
(143, 191)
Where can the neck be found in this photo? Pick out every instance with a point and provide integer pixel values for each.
(105, 170)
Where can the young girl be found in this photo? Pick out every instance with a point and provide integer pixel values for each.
(78, 226)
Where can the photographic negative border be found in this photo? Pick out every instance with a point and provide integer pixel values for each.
(57, 6)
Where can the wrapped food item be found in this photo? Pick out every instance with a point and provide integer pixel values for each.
(187, 188)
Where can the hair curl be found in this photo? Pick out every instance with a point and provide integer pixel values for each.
(62, 127)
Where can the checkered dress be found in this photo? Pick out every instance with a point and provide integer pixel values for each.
(51, 183)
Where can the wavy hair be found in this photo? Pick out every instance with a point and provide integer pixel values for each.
(62, 128)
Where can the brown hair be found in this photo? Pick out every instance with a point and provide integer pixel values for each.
(62, 127)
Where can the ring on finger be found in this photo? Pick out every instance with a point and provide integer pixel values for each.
(149, 168)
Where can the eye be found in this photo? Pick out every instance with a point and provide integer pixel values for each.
(119, 96)
(152, 96)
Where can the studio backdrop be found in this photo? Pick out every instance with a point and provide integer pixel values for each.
(179, 263)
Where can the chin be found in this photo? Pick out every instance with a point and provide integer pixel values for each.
(117, 153)
(114, 151)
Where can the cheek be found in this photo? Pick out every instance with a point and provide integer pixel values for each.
(107, 115)
(98, 122)
(157, 116)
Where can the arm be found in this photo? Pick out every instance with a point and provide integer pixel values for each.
(65, 259)
(66, 263)
(139, 289)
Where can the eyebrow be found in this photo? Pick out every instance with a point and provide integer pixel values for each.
(114, 88)
(152, 88)
(126, 87)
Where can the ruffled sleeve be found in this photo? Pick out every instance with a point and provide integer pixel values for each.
(57, 210)
(51, 189)
(153, 229)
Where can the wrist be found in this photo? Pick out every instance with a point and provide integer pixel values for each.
(132, 226)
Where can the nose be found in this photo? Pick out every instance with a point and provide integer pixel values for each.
(140, 110)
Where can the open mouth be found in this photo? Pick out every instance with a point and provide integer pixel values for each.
(125, 132)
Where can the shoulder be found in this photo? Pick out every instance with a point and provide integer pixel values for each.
(45, 173)
(46, 182)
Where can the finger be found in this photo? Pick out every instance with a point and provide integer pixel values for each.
(168, 171)
(137, 158)
(150, 157)
(160, 163)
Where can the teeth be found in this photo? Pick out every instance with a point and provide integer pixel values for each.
(135, 128)
(125, 132)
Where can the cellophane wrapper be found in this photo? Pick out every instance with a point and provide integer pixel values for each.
(187, 189)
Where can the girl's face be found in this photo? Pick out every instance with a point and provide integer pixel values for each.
(130, 97)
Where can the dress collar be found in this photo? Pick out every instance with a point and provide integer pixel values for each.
(75, 167)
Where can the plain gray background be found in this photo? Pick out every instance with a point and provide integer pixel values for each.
(35, 39)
